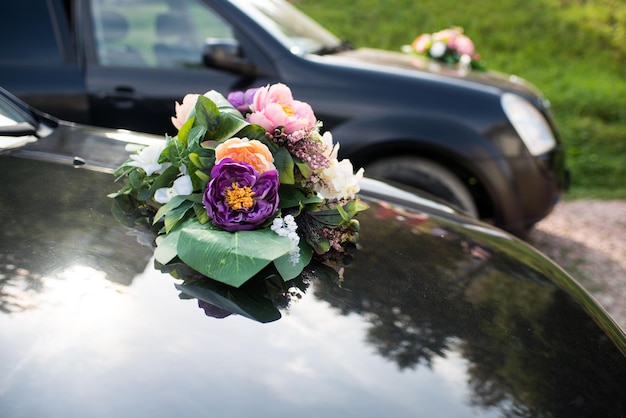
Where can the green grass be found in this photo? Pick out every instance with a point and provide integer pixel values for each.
(573, 50)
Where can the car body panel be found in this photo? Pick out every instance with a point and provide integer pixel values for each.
(437, 315)
(445, 321)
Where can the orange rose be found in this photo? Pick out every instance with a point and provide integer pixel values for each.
(242, 150)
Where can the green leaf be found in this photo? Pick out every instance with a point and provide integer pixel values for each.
(251, 131)
(165, 179)
(222, 103)
(135, 178)
(196, 135)
(144, 194)
(172, 204)
(201, 213)
(292, 197)
(229, 126)
(183, 132)
(304, 169)
(173, 216)
(126, 210)
(228, 257)
(287, 269)
(207, 114)
(195, 159)
(330, 218)
(284, 164)
(166, 247)
(175, 152)
(202, 176)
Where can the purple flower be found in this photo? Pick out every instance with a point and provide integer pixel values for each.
(238, 198)
(242, 101)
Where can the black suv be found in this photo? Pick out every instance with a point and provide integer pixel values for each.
(483, 141)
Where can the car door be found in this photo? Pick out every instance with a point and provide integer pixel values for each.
(144, 55)
(38, 59)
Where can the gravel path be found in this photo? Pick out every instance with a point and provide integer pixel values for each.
(588, 239)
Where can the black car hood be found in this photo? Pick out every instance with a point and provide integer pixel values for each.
(437, 316)
(426, 67)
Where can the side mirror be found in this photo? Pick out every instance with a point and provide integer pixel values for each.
(224, 53)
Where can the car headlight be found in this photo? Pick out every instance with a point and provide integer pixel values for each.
(529, 124)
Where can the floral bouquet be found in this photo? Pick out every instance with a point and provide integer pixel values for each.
(450, 46)
(248, 186)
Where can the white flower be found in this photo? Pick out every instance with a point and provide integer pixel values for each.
(339, 181)
(438, 49)
(148, 159)
(286, 227)
(182, 187)
(331, 150)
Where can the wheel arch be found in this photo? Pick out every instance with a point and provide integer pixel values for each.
(459, 148)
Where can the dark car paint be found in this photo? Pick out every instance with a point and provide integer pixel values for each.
(461, 124)
(438, 315)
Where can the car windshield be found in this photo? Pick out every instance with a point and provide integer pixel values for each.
(295, 30)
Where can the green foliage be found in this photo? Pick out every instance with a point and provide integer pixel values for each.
(573, 50)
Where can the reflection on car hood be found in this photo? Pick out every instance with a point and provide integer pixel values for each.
(432, 319)
(367, 56)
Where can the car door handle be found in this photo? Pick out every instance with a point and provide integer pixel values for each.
(123, 97)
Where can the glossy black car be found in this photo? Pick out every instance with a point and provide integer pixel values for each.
(438, 315)
(483, 141)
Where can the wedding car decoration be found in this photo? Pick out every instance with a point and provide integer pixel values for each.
(449, 46)
(249, 185)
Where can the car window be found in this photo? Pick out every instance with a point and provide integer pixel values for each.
(154, 33)
(27, 34)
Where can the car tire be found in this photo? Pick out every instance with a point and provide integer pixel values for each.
(425, 175)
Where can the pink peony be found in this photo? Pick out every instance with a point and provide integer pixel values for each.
(182, 110)
(464, 45)
(274, 107)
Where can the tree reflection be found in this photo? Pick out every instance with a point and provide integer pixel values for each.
(531, 349)
(57, 217)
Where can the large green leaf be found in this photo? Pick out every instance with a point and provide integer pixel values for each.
(166, 247)
(251, 131)
(207, 114)
(223, 105)
(228, 127)
(285, 266)
(228, 257)
(216, 114)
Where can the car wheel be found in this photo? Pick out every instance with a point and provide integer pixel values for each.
(425, 175)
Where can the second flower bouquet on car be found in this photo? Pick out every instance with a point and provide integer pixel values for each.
(248, 181)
